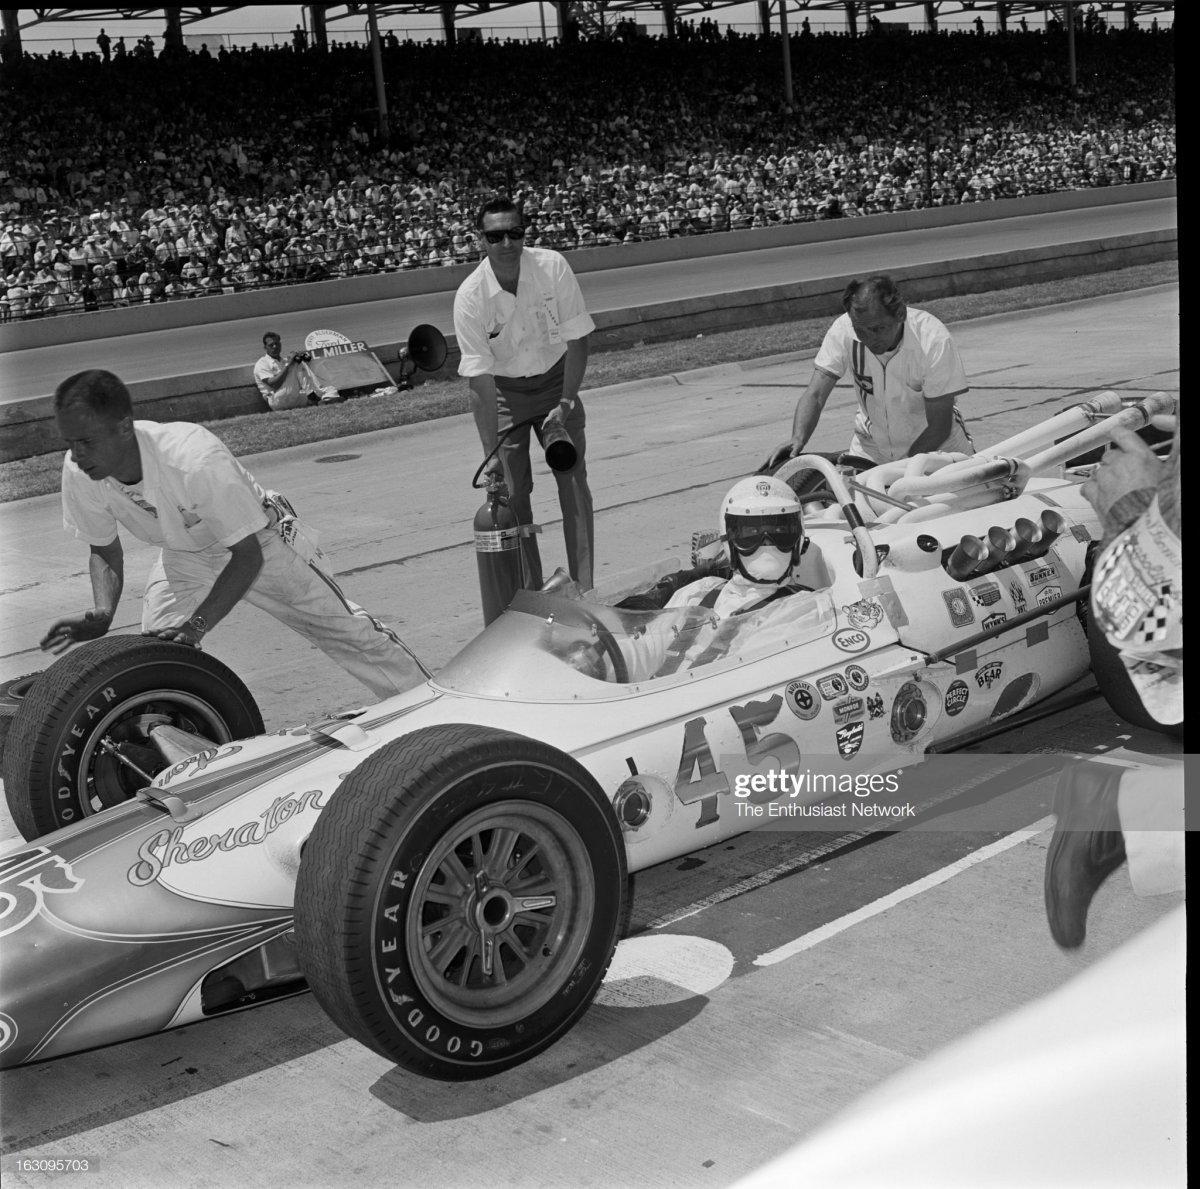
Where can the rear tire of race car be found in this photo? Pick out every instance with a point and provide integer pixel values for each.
(55, 772)
(456, 847)
(1117, 687)
(12, 696)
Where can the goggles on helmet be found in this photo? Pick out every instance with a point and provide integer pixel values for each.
(783, 532)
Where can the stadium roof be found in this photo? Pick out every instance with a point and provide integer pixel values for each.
(336, 12)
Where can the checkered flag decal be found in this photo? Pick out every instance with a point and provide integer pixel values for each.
(1153, 626)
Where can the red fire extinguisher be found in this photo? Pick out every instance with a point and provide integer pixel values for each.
(497, 552)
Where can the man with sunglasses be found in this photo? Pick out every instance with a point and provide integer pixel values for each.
(907, 377)
(523, 332)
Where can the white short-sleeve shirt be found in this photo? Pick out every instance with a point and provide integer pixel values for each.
(292, 393)
(194, 495)
(892, 394)
(500, 334)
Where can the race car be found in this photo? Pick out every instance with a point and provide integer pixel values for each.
(447, 871)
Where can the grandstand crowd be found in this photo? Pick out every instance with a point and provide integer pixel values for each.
(149, 178)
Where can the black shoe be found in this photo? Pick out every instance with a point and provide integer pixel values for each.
(1086, 848)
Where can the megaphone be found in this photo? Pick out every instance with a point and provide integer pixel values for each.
(425, 351)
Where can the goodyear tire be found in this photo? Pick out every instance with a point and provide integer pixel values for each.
(1116, 686)
(12, 695)
(112, 691)
(460, 899)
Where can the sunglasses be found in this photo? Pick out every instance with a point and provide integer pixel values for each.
(497, 237)
(782, 532)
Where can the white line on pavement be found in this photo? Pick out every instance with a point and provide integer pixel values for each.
(771, 957)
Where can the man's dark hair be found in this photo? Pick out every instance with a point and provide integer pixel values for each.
(271, 334)
(497, 206)
(97, 390)
(878, 288)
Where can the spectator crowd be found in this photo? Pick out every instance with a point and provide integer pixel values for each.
(134, 178)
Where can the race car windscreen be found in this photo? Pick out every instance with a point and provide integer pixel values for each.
(548, 648)
(358, 369)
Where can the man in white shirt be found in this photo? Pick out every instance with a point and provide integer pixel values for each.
(907, 377)
(178, 486)
(523, 332)
(283, 385)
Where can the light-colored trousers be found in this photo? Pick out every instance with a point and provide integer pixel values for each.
(301, 596)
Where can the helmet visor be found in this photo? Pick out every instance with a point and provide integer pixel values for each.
(747, 536)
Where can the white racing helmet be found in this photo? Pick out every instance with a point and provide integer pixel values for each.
(763, 525)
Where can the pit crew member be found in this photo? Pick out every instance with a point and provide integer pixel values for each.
(907, 377)
(523, 331)
(1109, 814)
(178, 486)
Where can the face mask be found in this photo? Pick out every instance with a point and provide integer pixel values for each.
(766, 565)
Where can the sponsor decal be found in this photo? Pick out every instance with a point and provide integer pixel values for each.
(1040, 574)
(857, 677)
(866, 613)
(1018, 597)
(988, 674)
(1048, 594)
(849, 739)
(986, 593)
(875, 705)
(8, 1031)
(197, 763)
(851, 640)
(958, 694)
(991, 621)
(26, 879)
(962, 614)
(832, 685)
(763, 487)
(802, 700)
(167, 847)
(847, 709)
(1081, 532)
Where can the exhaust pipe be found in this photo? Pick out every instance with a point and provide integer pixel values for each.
(1054, 524)
(1000, 543)
(968, 554)
(1029, 536)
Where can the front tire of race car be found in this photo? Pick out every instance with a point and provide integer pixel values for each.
(460, 899)
(107, 694)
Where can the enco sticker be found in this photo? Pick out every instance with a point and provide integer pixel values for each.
(991, 621)
(986, 593)
(958, 694)
(1048, 594)
(847, 709)
(875, 705)
(866, 613)
(851, 640)
(856, 675)
(849, 739)
(832, 685)
(962, 614)
(802, 700)
(988, 674)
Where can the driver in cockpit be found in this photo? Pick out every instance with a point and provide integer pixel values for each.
(762, 525)
(769, 558)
